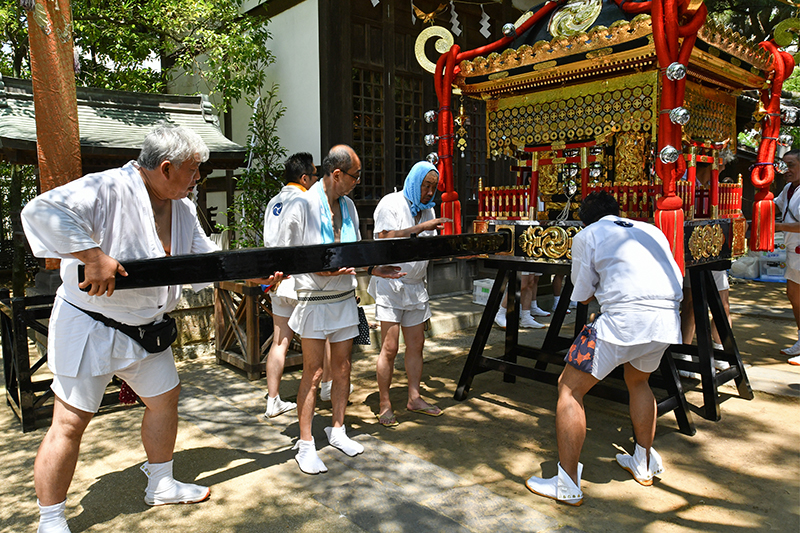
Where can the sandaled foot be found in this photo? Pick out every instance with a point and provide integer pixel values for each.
(425, 409)
(387, 419)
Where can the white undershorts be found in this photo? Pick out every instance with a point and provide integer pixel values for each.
(405, 317)
(720, 280)
(643, 357)
(282, 306)
(337, 321)
(152, 376)
(793, 267)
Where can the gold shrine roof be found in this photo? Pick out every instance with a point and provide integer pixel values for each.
(720, 57)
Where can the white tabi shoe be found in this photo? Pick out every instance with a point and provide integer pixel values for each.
(794, 349)
(794, 360)
(560, 488)
(500, 318)
(163, 489)
(636, 464)
(52, 518)
(337, 437)
(527, 321)
(276, 406)
(307, 458)
(538, 311)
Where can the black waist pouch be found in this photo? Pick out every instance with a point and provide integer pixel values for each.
(154, 338)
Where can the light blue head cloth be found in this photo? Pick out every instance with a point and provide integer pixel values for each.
(413, 183)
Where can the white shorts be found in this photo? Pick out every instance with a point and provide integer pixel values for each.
(643, 357)
(720, 280)
(337, 321)
(405, 317)
(152, 376)
(793, 267)
(282, 306)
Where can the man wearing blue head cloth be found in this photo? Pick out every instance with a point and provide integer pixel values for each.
(403, 302)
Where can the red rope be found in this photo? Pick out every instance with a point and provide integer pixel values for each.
(762, 233)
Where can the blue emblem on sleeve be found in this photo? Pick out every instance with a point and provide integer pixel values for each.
(276, 209)
(623, 223)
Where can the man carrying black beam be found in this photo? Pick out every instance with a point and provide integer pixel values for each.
(326, 307)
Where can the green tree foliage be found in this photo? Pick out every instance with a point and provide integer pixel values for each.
(754, 19)
(263, 177)
(118, 41)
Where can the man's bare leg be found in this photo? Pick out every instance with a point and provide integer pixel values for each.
(414, 338)
(340, 390)
(58, 453)
(159, 432)
(573, 385)
(313, 356)
(390, 339)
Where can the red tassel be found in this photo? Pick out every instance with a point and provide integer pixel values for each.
(451, 208)
(126, 394)
(762, 230)
(669, 219)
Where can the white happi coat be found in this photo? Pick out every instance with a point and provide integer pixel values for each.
(790, 215)
(303, 227)
(628, 266)
(110, 210)
(394, 213)
(274, 226)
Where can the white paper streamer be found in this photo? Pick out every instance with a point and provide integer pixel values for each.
(485, 24)
(455, 26)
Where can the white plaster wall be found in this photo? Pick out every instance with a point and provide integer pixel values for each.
(295, 43)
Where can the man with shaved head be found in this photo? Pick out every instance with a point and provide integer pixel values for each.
(326, 304)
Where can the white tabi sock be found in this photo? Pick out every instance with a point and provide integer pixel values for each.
(162, 488)
(307, 458)
(338, 438)
(325, 390)
(52, 518)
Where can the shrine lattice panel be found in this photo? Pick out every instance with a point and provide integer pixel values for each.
(408, 109)
(368, 131)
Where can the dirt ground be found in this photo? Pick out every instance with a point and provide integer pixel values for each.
(739, 474)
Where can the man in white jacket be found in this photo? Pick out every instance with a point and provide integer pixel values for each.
(299, 174)
(627, 265)
(403, 303)
(139, 211)
(326, 303)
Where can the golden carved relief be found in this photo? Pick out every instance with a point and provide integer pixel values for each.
(548, 179)
(553, 242)
(595, 38)
(706, 241)
(630, 149)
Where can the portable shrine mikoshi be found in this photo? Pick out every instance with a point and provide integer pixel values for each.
(627, 97)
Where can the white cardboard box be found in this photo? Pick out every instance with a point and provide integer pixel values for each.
(480, 290)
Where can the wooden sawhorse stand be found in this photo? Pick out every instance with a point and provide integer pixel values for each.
(700, 358)
(555, 346)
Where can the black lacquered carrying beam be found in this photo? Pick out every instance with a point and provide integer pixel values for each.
(262, 262)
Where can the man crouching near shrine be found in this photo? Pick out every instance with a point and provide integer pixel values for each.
(627, 265)
(138, 211)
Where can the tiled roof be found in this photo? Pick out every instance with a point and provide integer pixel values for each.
(113, 124)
